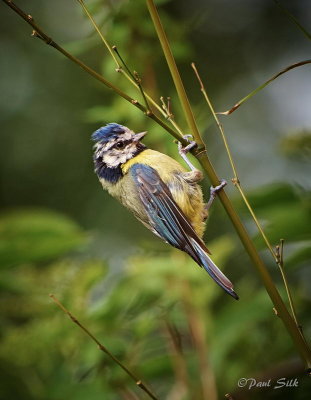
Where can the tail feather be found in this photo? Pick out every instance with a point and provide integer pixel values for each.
(210, 267)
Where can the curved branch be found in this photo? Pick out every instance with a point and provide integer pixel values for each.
(251, 94)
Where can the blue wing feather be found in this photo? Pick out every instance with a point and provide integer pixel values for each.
(165, 216)
(170, 223)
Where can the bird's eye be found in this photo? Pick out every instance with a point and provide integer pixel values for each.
(120, 145)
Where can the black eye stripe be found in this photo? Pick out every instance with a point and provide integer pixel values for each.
(124, 142)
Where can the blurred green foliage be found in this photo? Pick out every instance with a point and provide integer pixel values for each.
(36, 236)
(149, 314)
(150, 305)
(297, 145)
(284, 210)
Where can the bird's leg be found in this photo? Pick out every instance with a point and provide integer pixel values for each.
(213, 194)
(183, 151)
(194, 175)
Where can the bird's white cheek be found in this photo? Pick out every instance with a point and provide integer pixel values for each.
(129, 151)
(115, 157)
(123, 156)
(111, 160)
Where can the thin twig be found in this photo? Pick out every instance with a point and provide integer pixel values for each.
(138, 80)
(251, 211)
(294, 19)
(251, 94)
(121, 70)
(166, 107)
(39, 33)
(280, 262)
(168, 114)
(236, 179)
(278, 254)
(115, 49)
(202, 88)
(85, 9)
(101, 347)
(135, 77)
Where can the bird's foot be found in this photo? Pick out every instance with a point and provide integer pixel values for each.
(213, 193)
(190, 146)
(215, 189)
(183, 151)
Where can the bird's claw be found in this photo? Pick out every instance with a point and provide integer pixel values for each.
(186, 137)
(215, 189)
(184, 150)
(213, 193)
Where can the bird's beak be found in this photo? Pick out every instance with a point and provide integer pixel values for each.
(138, 136)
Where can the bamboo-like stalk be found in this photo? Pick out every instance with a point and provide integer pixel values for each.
(175, 75)
(278, 254)
(104, 349)
(202, 156)
(236, 179)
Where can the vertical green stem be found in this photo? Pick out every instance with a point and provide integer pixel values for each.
(175, 74)
(278, 255)
(201, 155)
(280, 262)
(249, 246)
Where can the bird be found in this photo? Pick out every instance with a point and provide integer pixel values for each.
(158, 190)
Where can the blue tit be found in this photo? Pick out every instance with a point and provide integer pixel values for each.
(159, 191)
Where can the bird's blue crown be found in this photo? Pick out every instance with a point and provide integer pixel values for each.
(108, 132)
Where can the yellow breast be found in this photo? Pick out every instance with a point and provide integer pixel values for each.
(155, 160)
